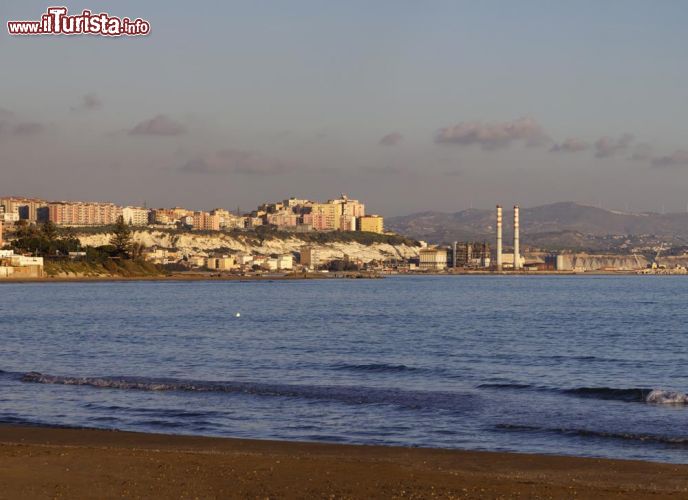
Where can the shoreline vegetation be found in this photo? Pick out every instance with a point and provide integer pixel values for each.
(51, 462)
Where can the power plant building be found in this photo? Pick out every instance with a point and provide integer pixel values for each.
(432, 259)
(470, 254)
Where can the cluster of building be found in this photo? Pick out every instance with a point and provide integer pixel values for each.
(300, 215)
(472, 255)
(19, 266)
(466, 255)
(307, 258)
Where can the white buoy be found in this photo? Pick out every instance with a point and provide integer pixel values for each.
(238, 314)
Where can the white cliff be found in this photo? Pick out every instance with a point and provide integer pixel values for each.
(189, 243)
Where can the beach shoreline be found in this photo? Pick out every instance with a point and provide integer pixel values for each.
(38, 462)
(176, 277)
(301, 276)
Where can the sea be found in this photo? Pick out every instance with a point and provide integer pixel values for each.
(592, 366)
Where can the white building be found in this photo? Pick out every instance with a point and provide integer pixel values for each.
(285, 262)
(433, 259)
(24, 260)
(244, 259)
(508, 260)
(270, 264)
(9, 217)
(135, 216)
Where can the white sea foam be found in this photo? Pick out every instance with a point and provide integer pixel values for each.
(659, 396)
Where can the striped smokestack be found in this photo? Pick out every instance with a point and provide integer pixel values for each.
(517, 250)
(499, 237)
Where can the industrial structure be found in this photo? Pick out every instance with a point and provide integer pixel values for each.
(499, 238)
(515, 261)
(517, 255)
(469, 255)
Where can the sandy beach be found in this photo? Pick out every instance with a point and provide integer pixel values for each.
(70, 463)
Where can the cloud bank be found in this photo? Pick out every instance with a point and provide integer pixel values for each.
(10, 126)
(678, 158)
(235, 161)
(88, 102)
(607, 147)
(161, 125)
(570, 145)
(495, 135)
(391, 139)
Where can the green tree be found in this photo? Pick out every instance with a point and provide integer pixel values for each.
(49, 232)
(23, 229)
(121, 238)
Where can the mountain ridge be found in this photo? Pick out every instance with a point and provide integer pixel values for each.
(567, 223)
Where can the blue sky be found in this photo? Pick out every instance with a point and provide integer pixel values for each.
(235, 103)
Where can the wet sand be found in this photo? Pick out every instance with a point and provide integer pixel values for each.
(67, 463)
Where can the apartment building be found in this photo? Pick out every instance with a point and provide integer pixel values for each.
(29, 209)
(348, 223)
(347, 206)
(169, 216)
(371, 224)
(323, 216)
(310, 257)
(203, 221)
(227, 219)
(9, 217)
(78, 213)
(135, 216)
(283, 219)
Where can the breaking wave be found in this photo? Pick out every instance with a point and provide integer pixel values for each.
(631, 395)
(342, 394)
(659, 396)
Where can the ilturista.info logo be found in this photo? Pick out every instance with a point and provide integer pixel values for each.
(57, 21)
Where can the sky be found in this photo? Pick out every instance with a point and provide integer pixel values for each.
(408, 106)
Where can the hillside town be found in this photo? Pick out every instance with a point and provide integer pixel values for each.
(291, 236)
(293, 214)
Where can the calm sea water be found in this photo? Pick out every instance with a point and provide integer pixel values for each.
(543, 364)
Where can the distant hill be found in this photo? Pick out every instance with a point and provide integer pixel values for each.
(558, 225)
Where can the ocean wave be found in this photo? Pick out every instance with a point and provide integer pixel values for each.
(580, 432)
(659, 396)
(629, 395)
(511, 386)
(343, 394)
(607, 393)
(10, 375)
(377, 368)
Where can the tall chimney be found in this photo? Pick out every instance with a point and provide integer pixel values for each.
(499, 237)
(517, 253)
